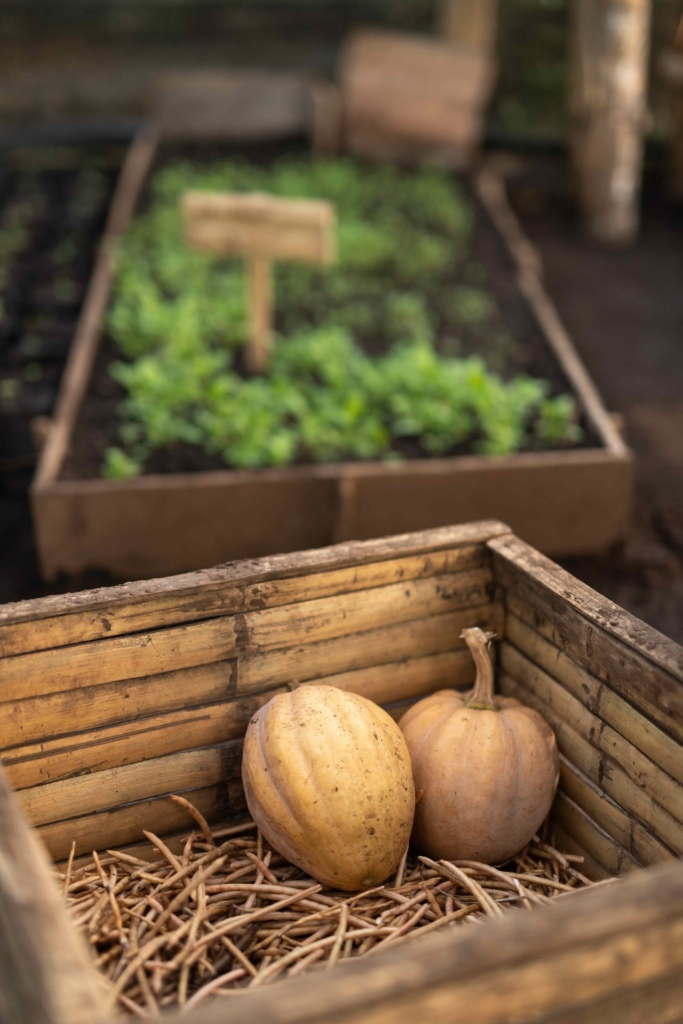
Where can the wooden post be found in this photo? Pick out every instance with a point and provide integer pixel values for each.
(470, 23)
(261, 228)
(260, 342)
(609, 48)
(46, 976)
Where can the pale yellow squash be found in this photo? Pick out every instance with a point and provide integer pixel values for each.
(485, 768)
(328, 780)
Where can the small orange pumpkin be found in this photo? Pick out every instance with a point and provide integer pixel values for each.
(485, 768)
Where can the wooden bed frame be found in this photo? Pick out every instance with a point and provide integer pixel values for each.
(563, 502)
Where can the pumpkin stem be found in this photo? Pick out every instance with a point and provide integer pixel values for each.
(479, 644)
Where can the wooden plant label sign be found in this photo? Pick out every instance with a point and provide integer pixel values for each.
(262, 228)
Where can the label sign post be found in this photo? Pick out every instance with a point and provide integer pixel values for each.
(261, 228)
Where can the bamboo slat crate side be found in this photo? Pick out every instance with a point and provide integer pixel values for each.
(611, 688)
(165, 705)
(607, 954)
(564, 502)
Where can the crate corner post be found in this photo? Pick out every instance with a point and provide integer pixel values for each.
(46, 976)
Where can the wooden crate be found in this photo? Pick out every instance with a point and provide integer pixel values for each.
(562, 502)
(112, 699)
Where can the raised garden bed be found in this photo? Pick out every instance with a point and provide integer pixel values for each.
(117, 698)
(187, 511)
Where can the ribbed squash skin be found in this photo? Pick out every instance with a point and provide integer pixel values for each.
(328, 780)
(484, 779)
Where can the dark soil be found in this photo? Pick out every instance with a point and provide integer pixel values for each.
(512, 344)
(67, 192)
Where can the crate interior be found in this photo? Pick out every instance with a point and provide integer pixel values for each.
(110, 708)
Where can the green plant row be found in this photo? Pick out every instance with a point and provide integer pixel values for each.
(366, 351)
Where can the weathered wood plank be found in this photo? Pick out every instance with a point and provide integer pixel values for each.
(90, 753)
(517, 562)
(405, 640)
(362, 663)
(408, 679)
(59, 714)
(599, 698)
(331, 617)
(104, 661)
(568, 844)
(566, 956)
(645, 847)
(46, 975)
(647, 680)
(214, 599)
(142, 780)
(658, 1002)
(49, 760)
(606, 850)
(644, 812)
(644, 774)
(142, 597)
(114, 828)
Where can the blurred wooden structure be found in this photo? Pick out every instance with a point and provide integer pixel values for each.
(671, 67)
(608, 107)
(412, 98)
(470, 23)
(261, 228)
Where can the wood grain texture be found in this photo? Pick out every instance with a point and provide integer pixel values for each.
(405, 640)
(563, 502)
(138, 739)
(566, 842)
(546, 579)
(491, 189)
(62, 731)
(113, 828)
(133, 606)
(614, 749)
(332, 617)
(113, 787)
(212, 600)
(37, 720)
(644, 813)
(561, 958)
(106, 661)
(637, 662)
(622, 717)
(46, 975)
(611, 817)
(658, 1003)
(614, 858)
(407, 680)
(90, 753)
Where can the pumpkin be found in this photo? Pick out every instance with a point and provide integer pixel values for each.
(485, 768)
(328, 780)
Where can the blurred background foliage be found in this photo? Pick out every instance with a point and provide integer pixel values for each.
(74, 58)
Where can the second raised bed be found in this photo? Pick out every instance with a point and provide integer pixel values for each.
(562, 501)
